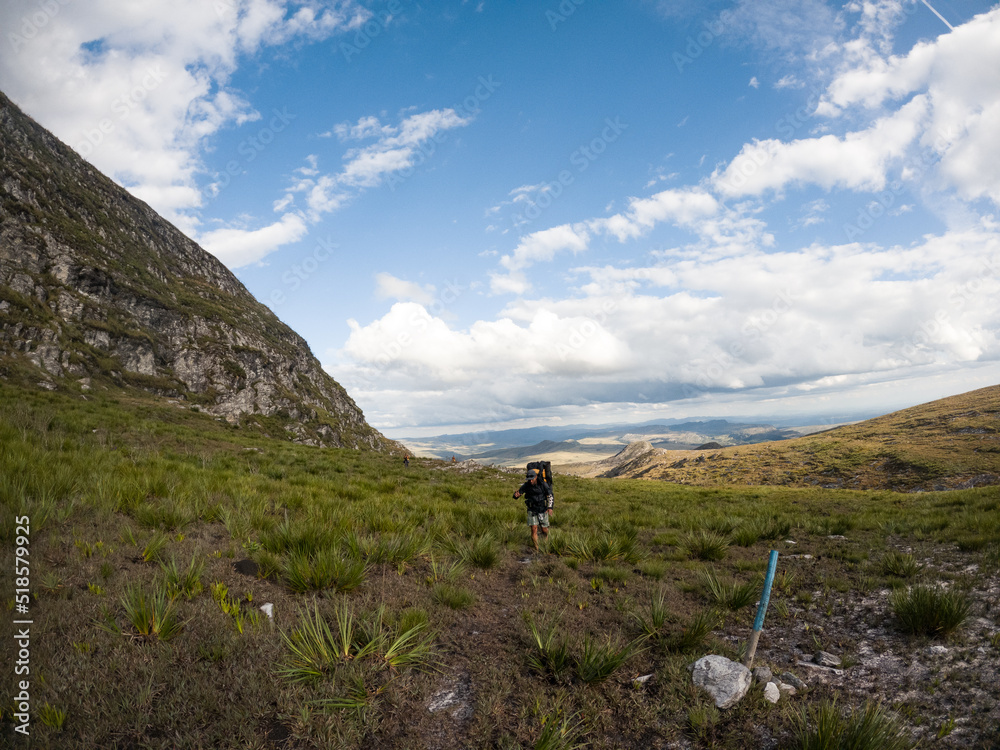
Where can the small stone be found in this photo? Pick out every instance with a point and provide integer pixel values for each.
(826, 659)
(642, 680)
(792, 680)
(771, 693)
(789, 541)
(837, 536)
(268, 609)
(784, 687)
(762, 674)
(937, 650)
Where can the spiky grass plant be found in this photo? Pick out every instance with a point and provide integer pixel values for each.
(705, 545)
(451, 596)
(551, 652)
(823, 727)
(657, 615)
(695, 633)
(733, 596)
(325, 569)
(186, 583)
(51, 716)
(445, 570)
(597, 661)
(560, 733)
(152, 615)
(155, 546)
(483, 552)
(899, 564)
(315, 650)
(930, 611)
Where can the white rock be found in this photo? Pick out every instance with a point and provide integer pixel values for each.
(268, 609)
(726, 681)
(771, 693)
(642, 680)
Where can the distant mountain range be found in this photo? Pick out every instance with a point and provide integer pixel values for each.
(951, 443)
(586, 443)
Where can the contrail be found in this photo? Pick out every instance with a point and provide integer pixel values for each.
(938, 15)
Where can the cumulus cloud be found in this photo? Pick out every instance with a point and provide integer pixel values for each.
(388, 286)
(237, 247)
(696, 327)
(137, 88)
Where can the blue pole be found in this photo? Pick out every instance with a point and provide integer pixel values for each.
(758, 623)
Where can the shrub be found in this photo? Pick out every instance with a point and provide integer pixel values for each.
(929, 611)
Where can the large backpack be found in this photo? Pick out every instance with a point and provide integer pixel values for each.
(544, 469)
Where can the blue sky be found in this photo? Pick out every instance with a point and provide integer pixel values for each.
(512, 213)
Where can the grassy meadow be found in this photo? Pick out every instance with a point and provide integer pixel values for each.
(409, 610)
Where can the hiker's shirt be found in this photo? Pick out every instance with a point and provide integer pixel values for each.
(536, 496)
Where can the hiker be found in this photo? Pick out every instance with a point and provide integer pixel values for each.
(406, 460)
(538, 500)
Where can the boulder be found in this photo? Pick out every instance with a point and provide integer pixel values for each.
(726, 681)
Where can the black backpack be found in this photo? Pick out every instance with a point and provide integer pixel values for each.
(544, 469)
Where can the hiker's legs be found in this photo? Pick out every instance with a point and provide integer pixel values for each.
(534, 535)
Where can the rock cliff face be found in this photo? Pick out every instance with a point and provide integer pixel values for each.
(97, 290)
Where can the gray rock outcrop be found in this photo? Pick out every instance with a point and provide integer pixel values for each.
(95, 285)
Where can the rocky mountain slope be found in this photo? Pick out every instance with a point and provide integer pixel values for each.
(951, 443)
(98, 291)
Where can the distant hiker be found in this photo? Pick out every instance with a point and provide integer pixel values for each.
(538, 500)
(406, 460)
(453, 459)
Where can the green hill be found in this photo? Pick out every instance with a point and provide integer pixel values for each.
(409, 611)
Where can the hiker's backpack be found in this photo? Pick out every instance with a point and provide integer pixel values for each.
(544, 469)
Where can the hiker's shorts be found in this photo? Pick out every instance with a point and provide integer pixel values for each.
(538, 519)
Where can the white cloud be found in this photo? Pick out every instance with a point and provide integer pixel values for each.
(137, 88)
(397, 149)
(857, 161)
(693, 326)
(237, 247)
(388, 286)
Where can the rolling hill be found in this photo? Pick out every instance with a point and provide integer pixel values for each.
(951, 443)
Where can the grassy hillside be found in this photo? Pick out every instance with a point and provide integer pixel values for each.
(946, 444)
(410, 612)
